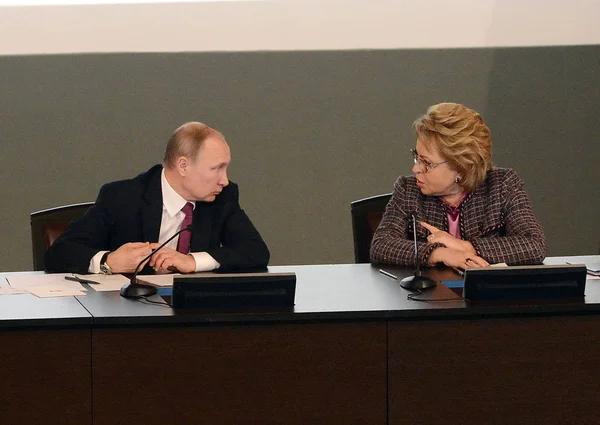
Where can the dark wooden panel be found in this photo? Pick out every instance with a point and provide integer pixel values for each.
(502, 371)
(45, 377)
(263, 374)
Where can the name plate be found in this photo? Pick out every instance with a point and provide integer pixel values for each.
(234, 290)
(525, 282)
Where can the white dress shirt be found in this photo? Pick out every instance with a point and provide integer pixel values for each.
(170, 223)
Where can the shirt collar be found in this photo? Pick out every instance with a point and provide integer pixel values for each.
(172, 201)
(453, 211)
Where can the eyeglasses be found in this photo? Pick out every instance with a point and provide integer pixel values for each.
(426, 165)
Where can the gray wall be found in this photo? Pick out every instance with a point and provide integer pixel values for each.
(309, 132)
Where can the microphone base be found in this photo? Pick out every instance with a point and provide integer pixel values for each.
(138, 290)
(417, 283)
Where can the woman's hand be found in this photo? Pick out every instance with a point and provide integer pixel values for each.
(456, 258)
(457, 253)
(439, 236)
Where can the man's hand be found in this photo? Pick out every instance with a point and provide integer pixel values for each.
(168, 259)
(128, 256)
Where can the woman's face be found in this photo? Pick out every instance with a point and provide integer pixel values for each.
(440, 180)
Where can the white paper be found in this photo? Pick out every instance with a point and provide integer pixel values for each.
(7, 290)
(55, 281)
(158, 279)
(111, 282)
(48, 291)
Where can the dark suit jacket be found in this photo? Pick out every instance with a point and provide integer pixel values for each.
(131, 210)
(497, 218)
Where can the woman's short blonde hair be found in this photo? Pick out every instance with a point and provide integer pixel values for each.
(461, 137)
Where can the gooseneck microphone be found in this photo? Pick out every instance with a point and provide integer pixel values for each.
(135, 289)
(417, 282)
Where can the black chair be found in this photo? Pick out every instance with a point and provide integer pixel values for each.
(47, 226)
(366, 216)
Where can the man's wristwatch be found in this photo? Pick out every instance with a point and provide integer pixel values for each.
(104, 267)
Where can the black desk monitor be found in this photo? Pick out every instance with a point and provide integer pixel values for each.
(234, 290)
(525, 282)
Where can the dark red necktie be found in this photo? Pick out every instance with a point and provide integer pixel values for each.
(183, 245)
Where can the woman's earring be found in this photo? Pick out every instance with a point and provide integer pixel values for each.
(457, 180)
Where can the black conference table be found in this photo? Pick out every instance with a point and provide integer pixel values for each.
(353, 350)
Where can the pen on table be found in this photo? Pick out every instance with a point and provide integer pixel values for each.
(458, 271)
(388, 274)
(80, 280)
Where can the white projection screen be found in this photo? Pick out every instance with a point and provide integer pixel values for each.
(85, 26)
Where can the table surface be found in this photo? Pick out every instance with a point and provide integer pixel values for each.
(323, 292)
(28, 310)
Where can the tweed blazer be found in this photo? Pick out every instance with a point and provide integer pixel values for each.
(497, 218)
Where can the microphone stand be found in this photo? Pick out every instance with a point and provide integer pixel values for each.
(418, 281)
(135, 289)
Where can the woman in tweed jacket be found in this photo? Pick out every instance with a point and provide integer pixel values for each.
(470, 213)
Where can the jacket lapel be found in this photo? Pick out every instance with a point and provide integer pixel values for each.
(479, 217)
(436, 215)
(201, 227)
(428, 207)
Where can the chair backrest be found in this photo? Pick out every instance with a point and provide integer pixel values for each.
(47, 226)
(366, 215)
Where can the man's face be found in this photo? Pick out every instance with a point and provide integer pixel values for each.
(204, 178)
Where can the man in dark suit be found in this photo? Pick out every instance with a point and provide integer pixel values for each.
(130, 218)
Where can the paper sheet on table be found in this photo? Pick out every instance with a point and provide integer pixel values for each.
(48, 291)
(592, 266)
(593, 269)
(589, 276)
(54, 281)
(158, 279)
(60, 287)
(7, 290)
(110, 282)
